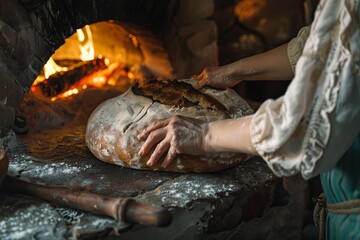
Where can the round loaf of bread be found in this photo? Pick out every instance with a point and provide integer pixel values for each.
(112, 129)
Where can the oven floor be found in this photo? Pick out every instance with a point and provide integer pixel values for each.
(200, 203)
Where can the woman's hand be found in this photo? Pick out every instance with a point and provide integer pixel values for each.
(172, 136)
(217, 77)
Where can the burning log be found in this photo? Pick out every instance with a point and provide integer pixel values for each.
(67, 62)
(62, 81)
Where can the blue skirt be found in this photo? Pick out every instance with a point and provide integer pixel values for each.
(341, 184)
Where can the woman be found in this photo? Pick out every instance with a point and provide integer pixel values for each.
(313, 129)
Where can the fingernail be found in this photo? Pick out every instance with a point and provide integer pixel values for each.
(139, 136)
(148, 163)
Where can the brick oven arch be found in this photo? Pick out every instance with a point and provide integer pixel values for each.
(31, 31)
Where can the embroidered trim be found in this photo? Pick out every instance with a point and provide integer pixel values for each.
(296, 46)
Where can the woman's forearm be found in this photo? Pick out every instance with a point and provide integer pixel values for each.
(271, 65)
(229, 135)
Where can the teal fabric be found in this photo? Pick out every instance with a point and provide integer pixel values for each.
(343, 184)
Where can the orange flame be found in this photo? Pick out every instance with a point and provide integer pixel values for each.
(108, 76)
(86, 45)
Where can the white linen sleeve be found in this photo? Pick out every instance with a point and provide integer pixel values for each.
(315, 122)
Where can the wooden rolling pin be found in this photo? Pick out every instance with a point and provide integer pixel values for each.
(125, 209)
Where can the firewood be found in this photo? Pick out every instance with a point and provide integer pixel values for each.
(62, 81)
(67, 62)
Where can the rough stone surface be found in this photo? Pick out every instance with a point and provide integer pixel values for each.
(189, 57)
(202, 36)
(199, 202)
(25, 217)
(190, 11)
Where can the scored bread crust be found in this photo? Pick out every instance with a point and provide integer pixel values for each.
(113, 127)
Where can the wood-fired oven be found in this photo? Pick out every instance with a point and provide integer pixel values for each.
(60, 59)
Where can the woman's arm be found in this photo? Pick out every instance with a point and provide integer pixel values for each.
(179, 134)
(271, 65)
(229, 135)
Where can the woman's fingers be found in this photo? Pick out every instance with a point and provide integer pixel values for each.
(154, 138)
(201, 81)
(175, 135)
(198, 77)
(159, 151)
(156, 125)
(200, 84)
(169, 157)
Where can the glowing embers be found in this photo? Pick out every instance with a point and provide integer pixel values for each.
(90, 59)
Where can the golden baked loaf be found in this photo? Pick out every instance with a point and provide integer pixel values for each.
(112, 128)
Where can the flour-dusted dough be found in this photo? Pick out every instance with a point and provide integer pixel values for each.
(112, 129)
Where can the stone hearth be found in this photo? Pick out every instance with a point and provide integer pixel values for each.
(200, 203)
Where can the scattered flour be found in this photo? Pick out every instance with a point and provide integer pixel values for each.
(30, 221)
(183, 192)
(24, 164)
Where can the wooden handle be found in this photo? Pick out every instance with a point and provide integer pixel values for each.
(125, 209)
(140, 213)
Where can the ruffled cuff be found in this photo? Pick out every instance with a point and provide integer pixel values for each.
(296, 46)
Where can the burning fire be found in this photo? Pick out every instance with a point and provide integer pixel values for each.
(247, 10)
(86, 45)
(58, 82)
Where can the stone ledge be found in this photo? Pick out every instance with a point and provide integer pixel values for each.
(200, 203)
